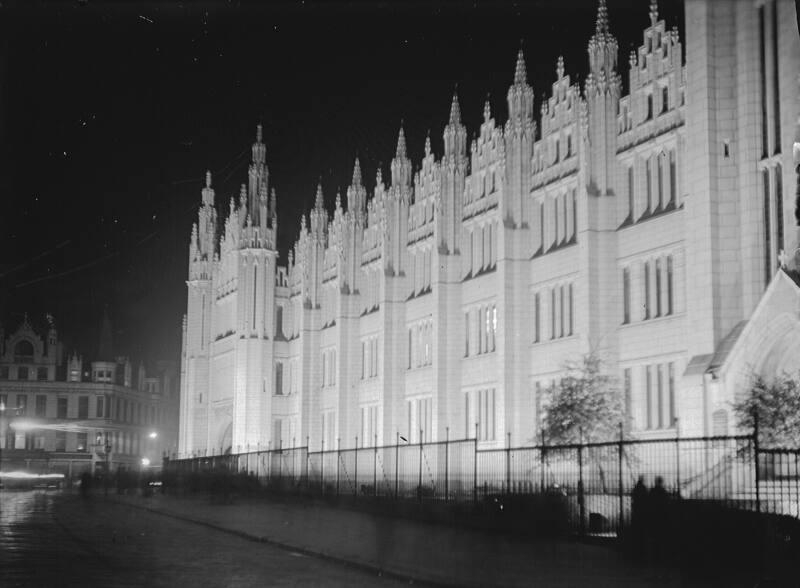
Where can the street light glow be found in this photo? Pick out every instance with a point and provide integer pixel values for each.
(145, 461)
(153, 435)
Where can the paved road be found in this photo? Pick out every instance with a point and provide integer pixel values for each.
(53, 539)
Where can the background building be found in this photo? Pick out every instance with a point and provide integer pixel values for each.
(60, 414)
(648, 225)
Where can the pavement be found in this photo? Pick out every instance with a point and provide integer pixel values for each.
(52, 539)
(414, 551)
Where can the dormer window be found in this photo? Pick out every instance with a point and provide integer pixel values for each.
(23, 352)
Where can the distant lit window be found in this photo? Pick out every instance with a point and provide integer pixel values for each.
(41, 374)
(61, 441)
(83, 444)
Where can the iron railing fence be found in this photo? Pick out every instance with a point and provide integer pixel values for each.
(593, 481)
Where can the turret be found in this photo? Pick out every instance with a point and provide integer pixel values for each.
(356, 193)
(519, 135)
(454, 169)
(258, 176)
(602, 96)
(401, 165)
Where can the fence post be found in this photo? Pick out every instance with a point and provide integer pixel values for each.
(508, 463)
(308, 464)
(396, 464)
(678, 457)
(419, 483)
(280, 462)
(621, 492)
(322, 466)
(355, 471)
(447, 464)
(338, 460)
(581, 497)
(542, 463)
(755, 457)
(475, 468)
(375, 469)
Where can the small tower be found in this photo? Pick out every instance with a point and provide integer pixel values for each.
(454, 169)
(74, 368)
(519, 135)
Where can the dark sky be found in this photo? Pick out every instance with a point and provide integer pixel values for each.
(110, 113)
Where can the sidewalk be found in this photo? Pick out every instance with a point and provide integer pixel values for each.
(410, 549)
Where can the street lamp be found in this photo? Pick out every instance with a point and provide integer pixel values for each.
(3, 429)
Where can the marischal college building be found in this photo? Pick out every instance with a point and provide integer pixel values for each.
(655, 228)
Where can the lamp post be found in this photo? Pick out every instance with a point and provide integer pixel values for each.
(4, 428)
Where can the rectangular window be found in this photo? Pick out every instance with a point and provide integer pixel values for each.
(83, 443)
(541, 224)
(660, 397)
(4, 372)
(626, 295)
(646, 276)
(410, 344)
(552, 313)
(778, 203)
(41, 406)
(363, 360)
(22, 404)
(767, 227)
(649, 107)
(99, 407)
(494, 327)
(571, 306)
(486, 415)
(561, 311)
(649, 186)
(671, 391)
(22, 373)
(762, 54)
(649, 396)
(664, 99)
(279, 322)
(537, 318)
(673, 179)
(658, 286)
(41, 374)
(279, 378)
(466, 334)
(660, 178)
(61, 441)
(83, 407)
(669, 285)
(776, 93)
(468, 429)
(630, 216)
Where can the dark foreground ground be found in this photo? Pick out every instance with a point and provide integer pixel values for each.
(53, 539)
(49, 538)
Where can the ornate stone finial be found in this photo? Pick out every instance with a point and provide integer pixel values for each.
(319, 200)
(378, 176)
(338, 198)
(401, 144)
(601, 24)
(302, 222)
(653, 12)
(520, 75)
(259, 132)
(428, 143)
(356, 173)
(273, 202)
(560, 67)
(26, 322)
(455, 109)
(632, 57)
(208, 178)
(487, 109)
(242, 194)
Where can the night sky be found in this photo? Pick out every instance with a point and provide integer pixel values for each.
(111, 112)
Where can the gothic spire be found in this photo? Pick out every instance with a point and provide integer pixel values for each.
(273, 204)
(601, 24)
(428, 143)
(560, 67)
(520, 75)
(401, 144)
(356, 173)
(455, 110)
(319, 203)
(487, 110)
(208, 178)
